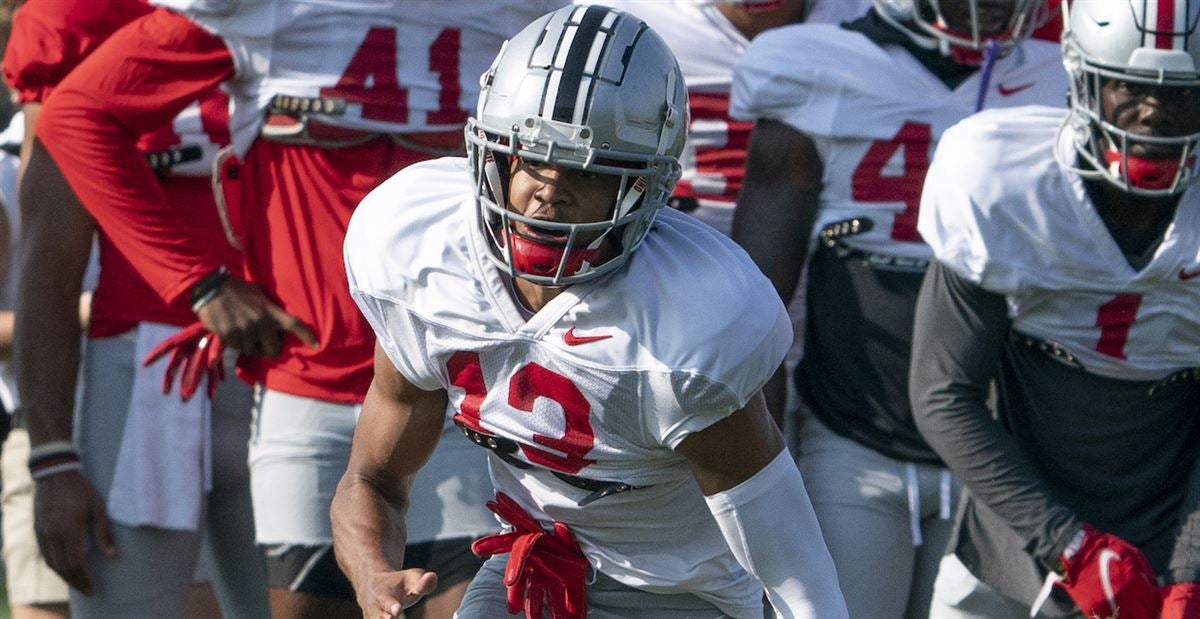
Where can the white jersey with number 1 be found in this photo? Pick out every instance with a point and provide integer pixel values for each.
(1002, 211)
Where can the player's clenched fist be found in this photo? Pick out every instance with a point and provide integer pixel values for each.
(1108, 577)
(386, 594)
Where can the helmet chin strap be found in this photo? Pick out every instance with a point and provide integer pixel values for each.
(1145, 173)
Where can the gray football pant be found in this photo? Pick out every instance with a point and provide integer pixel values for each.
(154, 568)
(957, 594)
(872, 509)
(606, 598)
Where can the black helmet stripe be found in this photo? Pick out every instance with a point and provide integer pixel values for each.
(575, 69)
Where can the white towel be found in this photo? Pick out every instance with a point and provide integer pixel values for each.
(164, 466)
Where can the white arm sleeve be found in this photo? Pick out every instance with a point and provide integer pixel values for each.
(772, 530)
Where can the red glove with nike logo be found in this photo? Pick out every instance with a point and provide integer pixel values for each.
(196, 353)
(1108, 577)
(542, 566)
(1181, 601)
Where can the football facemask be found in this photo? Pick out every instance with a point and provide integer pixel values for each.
(588, 88)
(1148, 45)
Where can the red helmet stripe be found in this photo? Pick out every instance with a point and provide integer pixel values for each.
(1165, 25)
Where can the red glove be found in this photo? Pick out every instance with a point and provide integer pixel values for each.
(1108, 577)
(1181, 601)
(541, 566)
(195, 353)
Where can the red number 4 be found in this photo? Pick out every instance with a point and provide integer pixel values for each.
(371, 78)
(528, 384)
(868, 184)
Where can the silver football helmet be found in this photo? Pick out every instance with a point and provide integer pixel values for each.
(933, 30)
(585, 87)
(1139, 42)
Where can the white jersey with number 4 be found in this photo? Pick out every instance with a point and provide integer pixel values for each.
(1000, 210)
(875, 115)
(400, 66)
(602, 383)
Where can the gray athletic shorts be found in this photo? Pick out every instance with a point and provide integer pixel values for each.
(154, 568)
(299, 448)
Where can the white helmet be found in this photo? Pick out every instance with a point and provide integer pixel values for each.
(585, 87)
(965, 46)
(1154, 43)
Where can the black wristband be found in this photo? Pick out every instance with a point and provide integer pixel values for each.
(208, 287)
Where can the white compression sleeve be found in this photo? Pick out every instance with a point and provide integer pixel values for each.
(772, 530)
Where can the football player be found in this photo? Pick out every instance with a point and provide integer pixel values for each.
(1067, 249)
(847, 119)
(608, 359)
(155, 480)
(329, 98)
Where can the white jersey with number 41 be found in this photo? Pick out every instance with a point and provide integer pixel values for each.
(400, 66)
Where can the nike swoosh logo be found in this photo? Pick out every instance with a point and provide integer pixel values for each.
(1185, 274)
(1106, 557)
(575, 340)
(1005, 91)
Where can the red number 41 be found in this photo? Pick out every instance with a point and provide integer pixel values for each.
(371, 78)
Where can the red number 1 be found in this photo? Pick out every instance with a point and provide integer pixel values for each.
(1115, 319)
(870, 185)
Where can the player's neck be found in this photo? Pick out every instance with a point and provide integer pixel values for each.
(534, 296)
(1136, 223)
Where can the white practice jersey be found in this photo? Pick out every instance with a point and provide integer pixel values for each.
(602, 383)
(1000, 210)
(875, 115)
(400, 66)
(707, 45)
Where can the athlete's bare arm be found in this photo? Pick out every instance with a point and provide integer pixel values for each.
(396, 433)
(775, 215)
(56, 241)
(732, 450)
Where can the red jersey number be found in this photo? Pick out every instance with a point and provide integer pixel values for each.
(371, 78)
(725, 157)
(528, 384)
(870, 185)
(1114, 319)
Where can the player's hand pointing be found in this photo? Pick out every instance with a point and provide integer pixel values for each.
(247, 321)
(387, 594)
